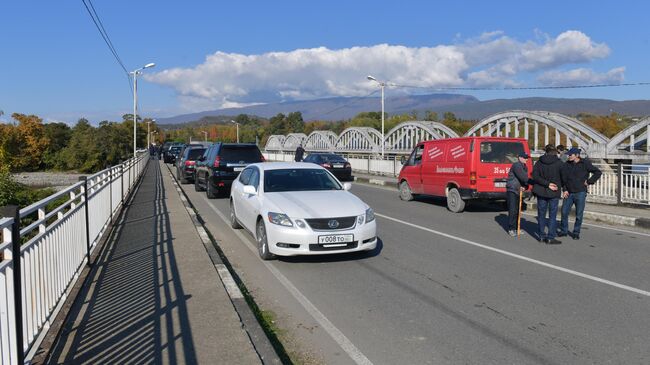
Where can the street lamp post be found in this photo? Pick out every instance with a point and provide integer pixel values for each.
(205, 136)
(148, 134)
(135, 74)
(382, 85)
(237, 129)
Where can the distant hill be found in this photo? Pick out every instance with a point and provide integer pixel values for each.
(464, 106)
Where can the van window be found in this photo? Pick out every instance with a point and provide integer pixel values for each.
(436, 152)
(416, 156)
(500, 152)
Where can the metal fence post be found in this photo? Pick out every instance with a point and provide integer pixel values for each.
(122, 183)
(85, 180)
(110, 190)
(13, 211)
(619, 187)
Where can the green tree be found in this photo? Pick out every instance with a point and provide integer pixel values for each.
(278, 124)
(59, 135)
(295, 123)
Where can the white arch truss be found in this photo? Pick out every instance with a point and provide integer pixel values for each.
(535, 126)
(634, 135)
(275, 142)
(293, 141)
(321, 141)
(359, 139)
(404, 136)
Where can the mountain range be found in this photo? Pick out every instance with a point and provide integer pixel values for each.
(463, 106)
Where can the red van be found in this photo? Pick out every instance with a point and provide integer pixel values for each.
(461, 169)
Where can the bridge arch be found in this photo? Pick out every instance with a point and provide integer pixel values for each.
(293, 141)
(518, 123)
(634, 135)
(275, 142)
(321, 141)
(404, 136)
(359, 139)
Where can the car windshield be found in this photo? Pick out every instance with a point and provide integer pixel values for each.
(195, 153)
(299, 180)
(500, 152)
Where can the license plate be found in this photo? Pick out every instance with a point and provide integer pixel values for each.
(237, 168)
(499, 184)
(338, 165)
(335, 238)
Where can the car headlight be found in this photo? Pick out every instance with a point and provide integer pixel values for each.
(370, 215)
(280, 219)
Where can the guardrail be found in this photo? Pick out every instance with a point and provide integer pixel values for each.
(55, 238)
(619, 183)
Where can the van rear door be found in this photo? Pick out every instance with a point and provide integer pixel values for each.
(494, 160)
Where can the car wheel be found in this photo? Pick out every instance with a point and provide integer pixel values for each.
(234, 223)
(405, 191)
(197, 186)
(455, 203)
(210, 190)
(262, 242)
(181, 177)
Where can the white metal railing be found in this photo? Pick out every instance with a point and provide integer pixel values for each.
(630, 184)
(60, 233)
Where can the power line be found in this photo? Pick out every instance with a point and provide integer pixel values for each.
(350, 103)
(520, 87)
(102, 31)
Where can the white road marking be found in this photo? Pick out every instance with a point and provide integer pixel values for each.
(357, 356)
(229, 282)
(520, 257)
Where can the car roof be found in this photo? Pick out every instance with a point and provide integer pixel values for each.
(285, 165)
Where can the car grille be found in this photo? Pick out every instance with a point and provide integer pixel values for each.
(349, 245)
(322, 224)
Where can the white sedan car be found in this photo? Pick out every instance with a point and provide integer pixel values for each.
(300, 209)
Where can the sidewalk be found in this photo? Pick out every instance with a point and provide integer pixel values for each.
(154, 295)
(611, 214)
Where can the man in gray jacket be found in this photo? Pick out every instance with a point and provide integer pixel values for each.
(516, 185)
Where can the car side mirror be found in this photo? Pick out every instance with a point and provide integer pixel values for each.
(402, 160)
(347, 186)
(250, 190)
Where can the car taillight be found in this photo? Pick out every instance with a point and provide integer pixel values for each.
(190, 163)
(472, 178)
(326, 165)
(217, 161)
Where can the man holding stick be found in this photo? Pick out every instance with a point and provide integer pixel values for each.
(515, 186)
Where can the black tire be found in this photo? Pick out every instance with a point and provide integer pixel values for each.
(197, 185)
(405, 191)
(181, 177)
(455, 203)
(234, 223)
(210, 190)
(262, 242)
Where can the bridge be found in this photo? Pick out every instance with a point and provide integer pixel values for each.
(538, 127)
(438, 283)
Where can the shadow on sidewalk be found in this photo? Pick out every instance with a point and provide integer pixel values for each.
(133, 308)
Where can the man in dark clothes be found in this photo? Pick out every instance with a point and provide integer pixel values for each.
(299, 153)
(516, 185)
(546, 187)
(575, 179)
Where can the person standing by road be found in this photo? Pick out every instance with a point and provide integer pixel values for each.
(299, 153)
(546, 187)
(516, 184)
(575, 180)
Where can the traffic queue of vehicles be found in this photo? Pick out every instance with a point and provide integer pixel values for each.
(302, 208)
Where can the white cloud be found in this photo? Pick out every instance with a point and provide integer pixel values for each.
(491, 59)
(582, 76)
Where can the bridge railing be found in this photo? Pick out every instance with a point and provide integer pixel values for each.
(55, 238)
(618, 184)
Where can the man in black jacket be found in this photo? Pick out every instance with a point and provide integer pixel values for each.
(515, 186)
(299, 153)
(546, 187)
(575, 179)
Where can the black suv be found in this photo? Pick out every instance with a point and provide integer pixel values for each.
(169, 156)
(221, 163)
(186, 162)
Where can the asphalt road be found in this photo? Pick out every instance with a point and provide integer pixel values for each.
(447, 288)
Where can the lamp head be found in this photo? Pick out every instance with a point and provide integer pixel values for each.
(371, 78)
(148, 65)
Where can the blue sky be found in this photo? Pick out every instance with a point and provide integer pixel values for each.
(209, 54)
